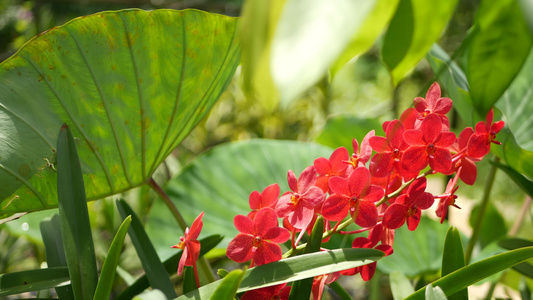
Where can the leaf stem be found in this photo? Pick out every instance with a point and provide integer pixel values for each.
(481, 212)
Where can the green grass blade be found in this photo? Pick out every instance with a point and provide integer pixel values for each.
(294, 269)
(171, 265)
(229, 286)
(453, 258)
(524, 268)
(301, 290)
(154, 269)
(105, 283)
(74, 218)
(464, 277)
(33, 280)
(55, 253)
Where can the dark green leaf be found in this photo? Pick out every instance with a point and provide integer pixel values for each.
(497, 51)
(453, 259)
(340, 291)
(105, 283)
(74, 218)
(219, 182)
(516, 104)
(228, 288)
(466, 276)
(33, 280)
(524, 268)
(171, 265)
(295, 268)
(416, 25)
(154, 269)
(55, 253)
(131, 84)
(301, 290)
(525, 184)
(416, 252)
(189, 282)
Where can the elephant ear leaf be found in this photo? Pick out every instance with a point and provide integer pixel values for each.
(131, 85)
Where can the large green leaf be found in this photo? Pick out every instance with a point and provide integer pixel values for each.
(131, 84)
(497, 51)
(416, 252)
(416, 25)
(295, 268)
(33, 280)
(466, 276)
(219, 182)
(517, 158)
(516, 104)
(310, 35)
(340, 130)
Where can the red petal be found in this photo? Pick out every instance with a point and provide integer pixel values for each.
(478, 145)
(394, 134)
(381, 164)
(338, 158)
(240, 248)
(379, 144)
(373, 193)
(193, 248)
(464, 137)
(468, 172)
(442, 160)
(183, 258)
(431, 127)
(277, 235)
(420, 104)
(415, 158)
(255, 200)
(196, 227)
(412, 222)
(336, 207)
(302, 215)
(395, 216)
(425, 201)
(414, 137)
(408, 118)
(322, 166)
(359, 181)
(446, 139)
(244, 224)
(265, 219)
(367, 271)
(433, 94)
(366, 149)
(307, 179)
(339, 185)
(284, 206)
(368, 214)
(362, 242)
(496, 127)
(443, 106)
(267, 253)
(314, 196)
(270, 195)
(293, 182)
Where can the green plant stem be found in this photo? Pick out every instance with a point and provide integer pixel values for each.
(202, 262)
(481, 212)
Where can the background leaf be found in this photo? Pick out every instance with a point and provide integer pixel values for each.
(219, 182)
(400, 285)
(310, 35)
(340, 130)
(228, 288)
(295, 268)
(128, 104)
(496, 52)
(435, 293)
(33, 280)
(416, 25)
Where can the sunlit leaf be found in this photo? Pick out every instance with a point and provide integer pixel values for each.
(516, 104)
(74, 218)
(497, 51)
(219, 182)
(229, 285)
(310, 35)
(295, 268)
(466, 276)
(416, 25)
(435, 293)
(131, 84)
(400, 285)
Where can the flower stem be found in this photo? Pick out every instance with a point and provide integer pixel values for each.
(202, 262)
(481, 212)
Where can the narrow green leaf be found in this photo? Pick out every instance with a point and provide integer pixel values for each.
(400, 285)
(306, 41)
(55, 253)
(341, 292)
(497, 51)
(228, 287)
(171, 265)
(107, 276)
(189, 282)
(295, 268)
(524, 268)
(453, 258)
(33, 280)
(466, 276)
(525, 184)
(435, 293)
(74, 218)
(416, 25)
(151, 295)
(154, 269)
(301, 290)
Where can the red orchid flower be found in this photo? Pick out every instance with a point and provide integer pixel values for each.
(327, 168)
(479, 143)
(275, 292)
(360, 157)
(408, 207)
(428, 145)
(267, 198)
(461, 160)
(258, 238)
(299, 205)
(355, 195)
(447, 199)
(433, 104)
(190, 246)
(389, 151)
(320, 281)
(367, 271)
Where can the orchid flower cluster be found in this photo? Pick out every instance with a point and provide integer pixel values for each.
(379, 192)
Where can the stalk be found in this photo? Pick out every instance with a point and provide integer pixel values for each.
(481, 212)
